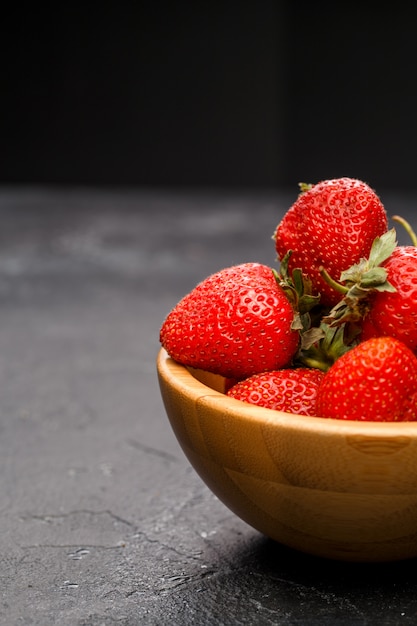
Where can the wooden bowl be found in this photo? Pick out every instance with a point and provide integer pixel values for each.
(335, 489)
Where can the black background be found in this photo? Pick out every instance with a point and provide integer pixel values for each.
(208, 94)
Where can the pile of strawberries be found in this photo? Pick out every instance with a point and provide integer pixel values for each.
(332, 332)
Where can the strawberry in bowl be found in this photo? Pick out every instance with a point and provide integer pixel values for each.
(394, 313)
(236, 322)
(332, 224)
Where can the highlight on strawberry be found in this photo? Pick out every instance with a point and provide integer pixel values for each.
(331, 331)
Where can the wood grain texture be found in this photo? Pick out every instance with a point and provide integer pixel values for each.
(340, 490)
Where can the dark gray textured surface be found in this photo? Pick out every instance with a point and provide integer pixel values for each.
(102, 520)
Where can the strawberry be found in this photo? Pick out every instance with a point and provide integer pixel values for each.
(380, 293)
(395, 312)
(237, 322)
(374, 381)
(290, 390)
(332, 224)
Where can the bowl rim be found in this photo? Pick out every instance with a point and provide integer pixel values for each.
(181, 378)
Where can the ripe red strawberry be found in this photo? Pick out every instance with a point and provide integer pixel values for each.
(375, 381)
(394, 313)
(289, 390)
(332, 225)
(236, 323)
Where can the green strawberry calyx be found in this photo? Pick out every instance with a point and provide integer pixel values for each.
(360, 281)
(298, 289)
(321, 346)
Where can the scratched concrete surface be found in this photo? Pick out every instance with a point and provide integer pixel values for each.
(102, 520)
